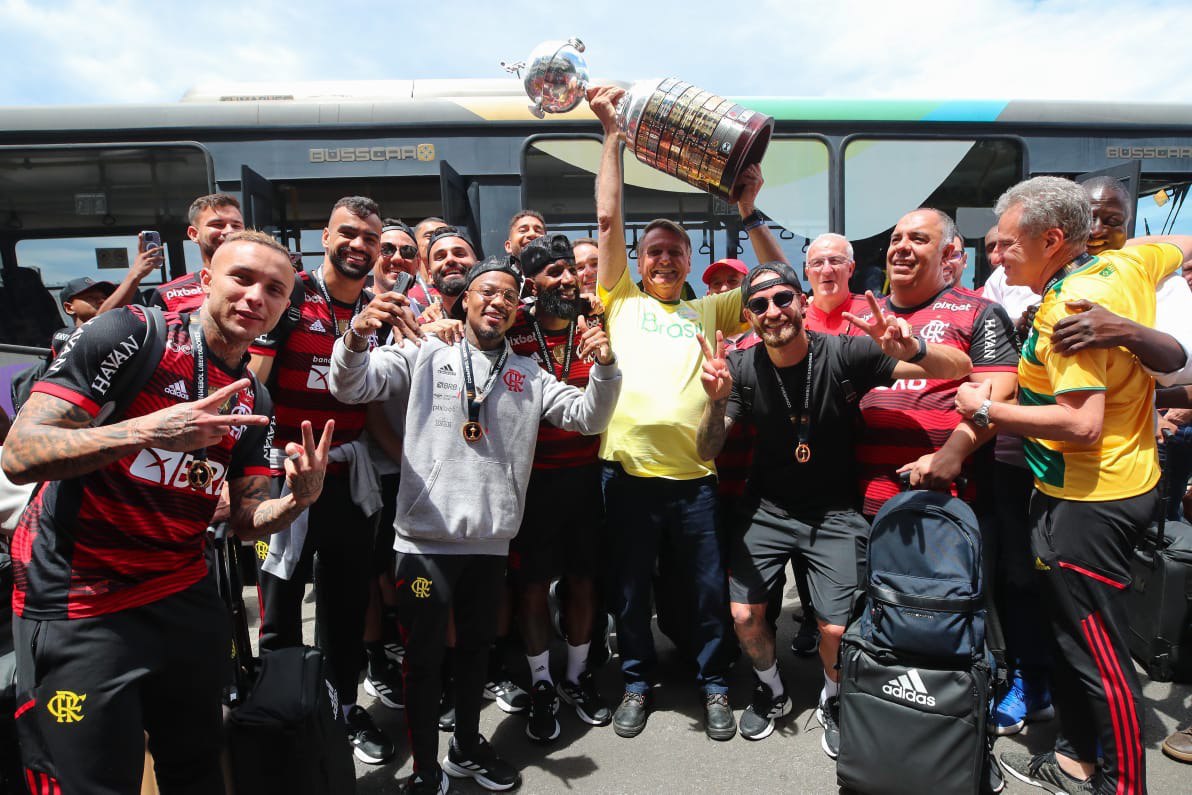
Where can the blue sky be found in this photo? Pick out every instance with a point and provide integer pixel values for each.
(82, 52)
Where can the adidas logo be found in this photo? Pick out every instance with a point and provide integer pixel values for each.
(317, 326)
(909, 687)
(178, 390)
(446, 369)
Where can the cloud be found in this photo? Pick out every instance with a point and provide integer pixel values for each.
(138, 51)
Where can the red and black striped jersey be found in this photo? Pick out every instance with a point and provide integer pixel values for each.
(184, 294)
(736, 457)
(556, 448)
(132, 532)
(914, 417)
(299, 380)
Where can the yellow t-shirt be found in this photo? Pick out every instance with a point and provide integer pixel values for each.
(652, 433)
(1124, 462)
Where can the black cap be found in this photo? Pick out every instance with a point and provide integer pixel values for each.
(449, 231)
(542, 251)
(782, 274)
(504, 264)
(81, 284)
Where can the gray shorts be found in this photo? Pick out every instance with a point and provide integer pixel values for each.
(833, 550)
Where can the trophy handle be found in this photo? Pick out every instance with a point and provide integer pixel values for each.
(513, 68)
(536, 109)
(576, 43)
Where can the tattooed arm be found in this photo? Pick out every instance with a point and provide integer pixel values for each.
(713, 429)
(254, 515)
(52, 438)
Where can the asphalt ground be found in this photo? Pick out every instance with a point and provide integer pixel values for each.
(674, 755)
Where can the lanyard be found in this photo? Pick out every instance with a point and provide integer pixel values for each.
(802, 421)
(323, 291)
(546, 354)
(1067, 270)
(472, 430)
(432, 297)
(200, 473)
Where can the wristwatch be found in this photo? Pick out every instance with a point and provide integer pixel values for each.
(980, 417)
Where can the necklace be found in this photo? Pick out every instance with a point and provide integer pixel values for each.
(802, 420)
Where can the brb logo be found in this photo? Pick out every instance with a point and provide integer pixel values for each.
(515, 381)
(168, 468)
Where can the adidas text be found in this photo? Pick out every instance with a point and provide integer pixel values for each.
(909, 687)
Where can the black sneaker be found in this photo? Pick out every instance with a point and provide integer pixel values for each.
(369, 744)
(757, 721)
(543, 726)
(806, 640)
(447, 710)
(435, 783)
(482, 765)
(719, 723)
(630, 717)
(586, 699)
(384, 683)
(509, 697)
(1041, 770)
(395, 651)
(828, 715)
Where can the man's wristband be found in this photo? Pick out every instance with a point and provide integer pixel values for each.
(918, 357)
(350, 336)
(753, 221)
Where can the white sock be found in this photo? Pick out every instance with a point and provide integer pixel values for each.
(771, 679)
(346, 708)
(577, 661)
(539, 667)
(831, 689)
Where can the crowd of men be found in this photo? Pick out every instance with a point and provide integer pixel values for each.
(435, 438)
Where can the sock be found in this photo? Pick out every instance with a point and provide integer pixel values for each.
(771, 679)
(346, 708)
(539, 667)
(831, 689)
(577, 661)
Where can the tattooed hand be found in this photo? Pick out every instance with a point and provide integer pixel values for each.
(306, 464)
(183, 427)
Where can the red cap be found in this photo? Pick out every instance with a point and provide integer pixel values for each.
(720, 264)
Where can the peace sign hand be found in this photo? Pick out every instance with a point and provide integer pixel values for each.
(184, 427)
(306, 464)
(716, 378)
(892, 334)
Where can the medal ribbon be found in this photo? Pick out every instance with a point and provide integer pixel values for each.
(434, 299)
(801, 421)
(323, 291)
(546, 357)
(199, 347)
(1075, 264)
(476, 400)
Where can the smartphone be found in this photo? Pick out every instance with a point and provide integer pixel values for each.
(150, 239)
(403, 283)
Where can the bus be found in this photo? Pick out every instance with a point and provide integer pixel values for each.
(78, 183)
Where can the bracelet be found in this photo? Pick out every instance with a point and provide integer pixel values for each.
(753, 221)
(348, 342)
(918, 357)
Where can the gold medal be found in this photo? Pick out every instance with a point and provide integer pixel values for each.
(200, 474)
(802, 453)
(472, 431)
(559, 354)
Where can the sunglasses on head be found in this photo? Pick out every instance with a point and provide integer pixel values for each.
(761, 303)
(407, 252)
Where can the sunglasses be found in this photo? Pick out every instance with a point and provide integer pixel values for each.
(406, 252)
(782, 300)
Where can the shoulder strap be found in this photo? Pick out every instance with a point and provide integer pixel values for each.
(132, 380)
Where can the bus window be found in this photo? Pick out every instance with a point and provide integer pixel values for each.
(61, 259)
(884, 179)
(558, 176)
(1160, 208)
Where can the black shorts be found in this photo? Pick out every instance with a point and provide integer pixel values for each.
(90, 688)
(831, 548)
(562, 529)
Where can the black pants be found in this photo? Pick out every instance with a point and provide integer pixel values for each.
(1015, 581)
(1083, 551)
(429, 589)
(342, 537)
(90, 688)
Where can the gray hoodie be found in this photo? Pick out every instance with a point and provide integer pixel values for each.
(458, 497)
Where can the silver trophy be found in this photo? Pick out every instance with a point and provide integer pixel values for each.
(675, 127)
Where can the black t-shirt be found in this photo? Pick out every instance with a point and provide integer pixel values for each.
(843, 369)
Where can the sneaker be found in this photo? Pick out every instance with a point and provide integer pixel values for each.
(1179, 745)
(395, 651)
(719, 723)
(828, 715)
(509, 697)
(1041, 770)
(543, 726)
(447, 711)
(806, 640)
(757, 721)
(369, 744)
(384, 683)
(630, 717)
(482, 765)
(586, 699)
(994, 782)
(1021, 705)
(435, 783)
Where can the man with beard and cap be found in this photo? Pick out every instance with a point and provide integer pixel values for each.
(524, 226)
(296, 366)
(450, 253)
(212, 218)
(472, 415)
(398, 255)
(561, 531)
(800, 501)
